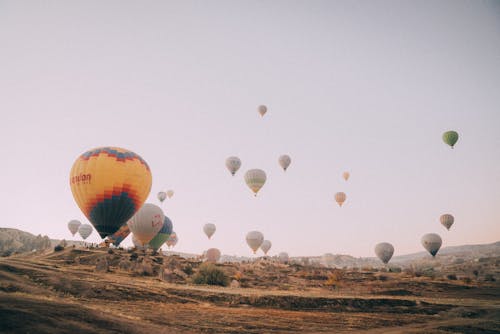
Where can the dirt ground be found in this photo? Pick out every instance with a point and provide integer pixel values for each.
(63, 292)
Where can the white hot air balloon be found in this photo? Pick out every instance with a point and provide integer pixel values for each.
(73, 226)
(266, 246)
(285, 161)
(283, 257)
(209, 229)
(233, 164)
(147, 222)
(262, 110)
(254, 240)
(432, 242)
(161, 196)
(170, 193)
(346, 175)
(384, 251)
(85, 230)
(212, 255)
(255, 179)
(447, 220)
(340, 198)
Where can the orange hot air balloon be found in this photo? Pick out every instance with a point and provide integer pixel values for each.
(110, 185)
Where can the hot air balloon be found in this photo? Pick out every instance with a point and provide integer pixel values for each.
(255, 179)
(254, 240)
(73, 226)
(109, 185)
(340, 198)
(172, 240)
(120, 235)
(447, 220)
(262, 110)
(266, 246)
(85, 230)
(283, 257)
(346, 175)
(212, 255)
(170, 193)
(432, 242)
(450, 138)
(161, 196)
(384, 251)
(162, 235)
(233, 164)
(209, 229)
(284, 161)
(137, 243)
(147, 222)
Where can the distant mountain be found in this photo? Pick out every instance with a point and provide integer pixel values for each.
(16, 241)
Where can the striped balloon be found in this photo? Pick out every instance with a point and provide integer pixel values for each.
(85, 231)
(162, 235)
(447, 220)
(432, 242)
(255, 179)
(340, 198)
(73, 226)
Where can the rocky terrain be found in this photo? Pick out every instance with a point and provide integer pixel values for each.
(120, 291)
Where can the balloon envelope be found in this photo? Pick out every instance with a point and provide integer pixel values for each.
(285, 161)
(85, 230)
(262, 110)
(340, 198)
(213, 255)
(346, 175)
(384, 251)
(432, 242)
(137, 243)
(266, 246)
(170, 193)
(447, 220)
(120, 235)
(254, 240)
(283, 257)
(161, 196)
(209, 229)
(162, 235)
(450, 138)
(73, 226)
(233, 164)
(146, 223)
(255, 179)
(109, 185)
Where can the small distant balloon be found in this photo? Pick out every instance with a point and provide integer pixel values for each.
(450, 138)
(266, 246)
(73, 226)
(384, 251)
(172, 240)
(254, 240)
(85, 230)
(209, 229)
(284, 161)
(170, 193)
(283, 257)
(262, 110)
(340, 198)
(255, 179)
(233, 164)
(161, 196)
(346, 175)
(212, 255)
(447, 220)
(432, 242)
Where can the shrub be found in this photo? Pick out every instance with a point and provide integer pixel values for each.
(335, 279)
(489, 278)
(110, 251)
(476, 273)
(188, 270)
(58, 248)
(134, 256)
(383, 278)
(395, 269)
(209, 274)
(451, 277)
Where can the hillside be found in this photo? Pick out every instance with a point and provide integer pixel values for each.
(16, 241)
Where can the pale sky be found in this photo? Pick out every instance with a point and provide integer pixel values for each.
(363, 86)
